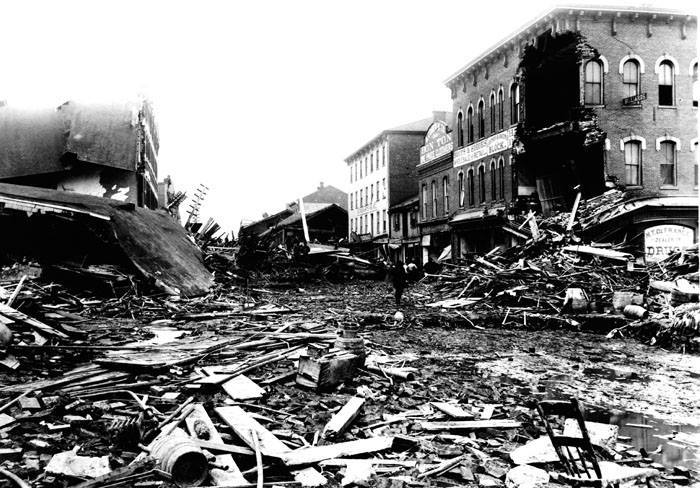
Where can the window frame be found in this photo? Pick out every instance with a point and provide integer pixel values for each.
(445, 195)
(500, 102)
(666, 63)
(482, 183)
(502, 178)
(470, 185)
(594, 101)
(460, 129)
(480, 118)
(470, 124)
(514, 97)
(673, 147)
(638, 79)
(433, 198)
(461, 189)
(638, 144)
(492, 111)
(424, 197)
(492, 174)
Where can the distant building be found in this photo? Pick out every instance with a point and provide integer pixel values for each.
(579, 99)
(404, 233)
(319, 200)
(105, 150)
(383, 174)
(327, 223)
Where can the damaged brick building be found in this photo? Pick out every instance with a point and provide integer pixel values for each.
(105, 150)
(578, 100)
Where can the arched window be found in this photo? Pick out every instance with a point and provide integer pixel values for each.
(630, 78)
(593, 83)
(482, 184)
(668, 163)
(445, 195)
(500, 108)
(492, 170)
(696, 86)
(501, 179)
(492, 112)
(460, 129)
(470, 184)
(480, 118)
(666, 78)
(433, 193)
(633, 163)
(470, 124)
(514, 104)
(461, 189)
(424, 197)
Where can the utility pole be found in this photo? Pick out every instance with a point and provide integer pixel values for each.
(199, 195)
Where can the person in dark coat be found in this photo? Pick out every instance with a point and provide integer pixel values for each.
(398, 279)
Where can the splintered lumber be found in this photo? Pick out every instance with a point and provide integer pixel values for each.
(600, 252)
(242, 388)
(315, 454)
(471, 425)
(243, 424)
(199, 421)
(453, 410)
(225, 448)
(327, 371)
(18, 316)
(343, 418)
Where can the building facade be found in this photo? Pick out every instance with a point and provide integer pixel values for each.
(382, 173)
(579, 100)
(404, 232)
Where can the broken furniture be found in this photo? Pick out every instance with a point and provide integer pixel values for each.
(576, 454)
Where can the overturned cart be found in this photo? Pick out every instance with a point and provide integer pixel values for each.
(68, 232)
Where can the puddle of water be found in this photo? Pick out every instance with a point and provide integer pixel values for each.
(680, 443)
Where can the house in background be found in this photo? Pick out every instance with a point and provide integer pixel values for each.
(106, 150)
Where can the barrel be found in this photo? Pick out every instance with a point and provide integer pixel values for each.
(182, 458)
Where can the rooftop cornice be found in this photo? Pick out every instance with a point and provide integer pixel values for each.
(547, 16)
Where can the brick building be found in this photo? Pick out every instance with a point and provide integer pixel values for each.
(106, 150)
(383, 174)
(580, 99)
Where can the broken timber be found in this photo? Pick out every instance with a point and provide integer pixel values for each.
(470, 425)
(342, 420)
(315, 454)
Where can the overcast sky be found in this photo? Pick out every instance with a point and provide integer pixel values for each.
(259, 100)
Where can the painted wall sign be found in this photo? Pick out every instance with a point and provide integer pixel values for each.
(486, 147)
(437, 143)
(662, 240)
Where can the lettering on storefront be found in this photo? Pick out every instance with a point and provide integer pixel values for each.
(481, 149)
(662, 240)
(437, 143)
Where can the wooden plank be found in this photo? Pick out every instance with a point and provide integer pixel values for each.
(230, 476)
(343, 418)
(18, 316)
(314, 454)
(242, 424)
(453, 410)
(224, 448)
(242, 388)
(471, 425)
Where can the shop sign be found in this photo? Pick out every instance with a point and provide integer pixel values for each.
(634, 99)
(662, 240)
(437, 143)
(484, 148)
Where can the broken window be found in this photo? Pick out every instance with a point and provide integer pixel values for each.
(445, 195)
(482, 184)
(384, 221)
(424, 196)
(593, 83)
(492, 111)
(630, 78)
(470, 183)
(666, 83)
(397, 222)
(461, 189)
(668, 163)
(470, 125)
(480, 118)
(500, 108)
(501, 179)
(460, 130)
(493, 179)
(433, 191)
(514, 104)
(633, 163)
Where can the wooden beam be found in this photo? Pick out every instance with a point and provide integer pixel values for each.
(453, 410)
(315, 454)
(243, 424)
(471, 425)
(343, 418)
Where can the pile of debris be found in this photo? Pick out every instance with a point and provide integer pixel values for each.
(235, 390)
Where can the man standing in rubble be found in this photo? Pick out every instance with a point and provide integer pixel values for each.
(398, 279)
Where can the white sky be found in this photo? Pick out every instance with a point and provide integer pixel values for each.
(259, 100)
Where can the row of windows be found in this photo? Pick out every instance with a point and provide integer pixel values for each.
(412, 220)
(370, 164)
(362, 198)
(364, 224)
(467, 193)
(593, 81)
(668, 162)
(496, 116)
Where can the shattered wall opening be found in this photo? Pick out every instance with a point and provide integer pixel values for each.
(561, 146)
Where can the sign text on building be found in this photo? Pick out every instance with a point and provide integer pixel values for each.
(486, 147)
(635, 99)
(662, 240)
(437, 143)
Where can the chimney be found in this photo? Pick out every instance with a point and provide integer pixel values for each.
(320, 186)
